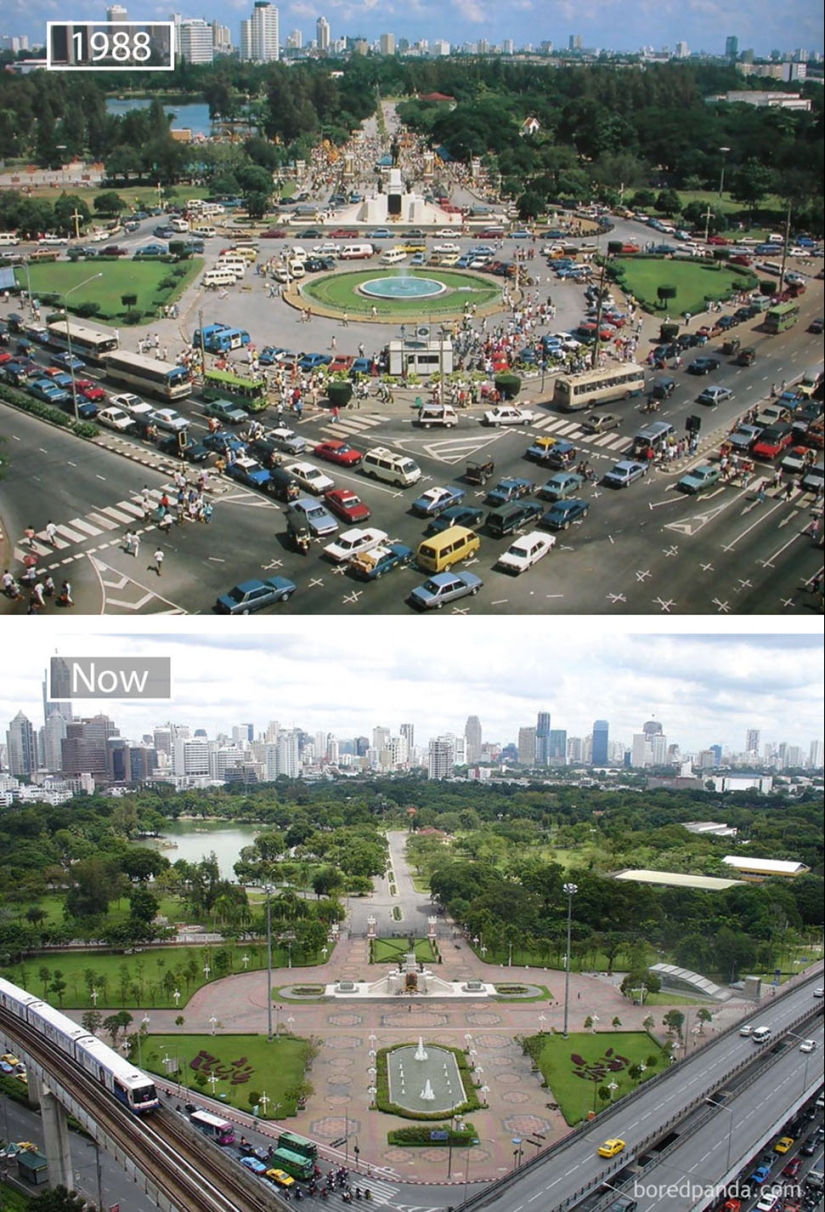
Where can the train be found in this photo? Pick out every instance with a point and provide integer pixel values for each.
(135, 1090)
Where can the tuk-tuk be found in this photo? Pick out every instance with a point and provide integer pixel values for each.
(299, 535)
(731, 346)
(479, 472)
(746, 357)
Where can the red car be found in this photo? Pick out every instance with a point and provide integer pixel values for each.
(347, 505)
(5, 357)
(717, 240)
(344, 233)
(339, 452)
(773, 440)
(793, 1167)
(90, 390)
(273, 233)
(340, 364)
(741, 259)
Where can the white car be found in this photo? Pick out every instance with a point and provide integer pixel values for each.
(169, 419)
(770, 1200)
(506, 414)
(127, 401)
(310, 477)
(354, 542)
(808, 1045)
(328, 249)
(115, 418)
(287, 439)
(820, 992)
(526, 552)
(446, 248)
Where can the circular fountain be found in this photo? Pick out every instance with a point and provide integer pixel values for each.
(402, 287)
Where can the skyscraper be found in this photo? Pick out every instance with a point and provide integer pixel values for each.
(116, 12)
(408, 732)
(527, 746)
(196, 41)
(322, 34)
(542, 738)
(21, 746)
(440, 758)
(652, 728)
(731, 47)
(259, 34)
(386, 44)
(752, 740)
(472, 736)
(601, 738)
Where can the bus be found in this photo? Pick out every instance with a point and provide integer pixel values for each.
(90, 344)
(574, 392)
(783, 316)
(217, 1129)
(149, 375)
(225, 383)
(219, 338)
(293, 1163)
(298, 1144)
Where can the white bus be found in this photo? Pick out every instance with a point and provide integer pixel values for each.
(149, 375)
(213, 1126)
(574, 392)
(90, 344)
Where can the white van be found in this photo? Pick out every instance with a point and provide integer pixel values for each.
(382, 464)
(761, 1035)
(220, 277)
(437, 414)
(392, 256)
(237, 265)
(203, 230)
(178, 224)
(8, 239)
(355, 252)
(296, 267)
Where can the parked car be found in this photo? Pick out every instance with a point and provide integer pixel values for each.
(444, 587)
(624, 473)
(525, 552)
(254, 595)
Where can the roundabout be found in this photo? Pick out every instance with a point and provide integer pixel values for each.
(401, 294)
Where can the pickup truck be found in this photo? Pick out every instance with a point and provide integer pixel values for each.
(370, 565)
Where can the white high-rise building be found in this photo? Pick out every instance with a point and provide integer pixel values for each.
(21, 746)
(441, 758)
(282, 757)
(196, 41)
(815, 755)
(322, 34)
(191, 757)
(386, 44)
(116, 12)
(472, 737)
(380, 738)
(527, 746)
(641, 752)
(53, 732)
(259, 34)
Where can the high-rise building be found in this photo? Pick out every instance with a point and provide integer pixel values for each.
(682, 51)
(472, 737)
(84, 748)
(386, 44)
(652, 728)
(52, 734)
(196, 41)
(752, 740)
(575, 42)
(440, 758)
(221, 38)
(259, 34)
(731, 47)
(191, 757)
(815, 755)
(380, 738)
(640, 754)
(408, 732)
(21, 746)
(116, 12)
(542, 738)
(557, 747)
(527, 746)
(49, 705)
(322, 34)
(601, 740)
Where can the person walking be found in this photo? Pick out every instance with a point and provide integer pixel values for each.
(146, 501)
(51, 534)
(128, 540)
(158, 558)
(30, 535)
(38, 594)
(66, 598)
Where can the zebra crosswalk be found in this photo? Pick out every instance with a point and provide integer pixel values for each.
(381, 1191)
(573, 432)
(351, 424)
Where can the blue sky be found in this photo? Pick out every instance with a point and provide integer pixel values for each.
(703, 24)
(348, 676)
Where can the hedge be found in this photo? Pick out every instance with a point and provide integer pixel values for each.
(81, 429)
(382, 1086)
(419, 1137)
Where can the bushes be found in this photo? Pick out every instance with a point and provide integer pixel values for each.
(339, 392)
(418, 1137)
(82, 429)
(382, 1095)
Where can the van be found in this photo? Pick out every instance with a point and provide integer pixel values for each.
(232, 263)
(355, 252)
(382, 464)
(203, 230)
(392, 256)
(761, 1035)
(296, 267)
(248, 252)
(441, 551)
(437, 414)
(8, 239)
(179, 225)
(657, 435)
(220, 276)
(770, 267)
(505, 519)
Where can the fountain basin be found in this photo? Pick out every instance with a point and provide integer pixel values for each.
(409, 1078)
(402, 287)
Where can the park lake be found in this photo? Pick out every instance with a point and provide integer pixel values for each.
(195, 840)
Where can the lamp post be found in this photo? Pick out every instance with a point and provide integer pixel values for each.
(724, 151)
(722, 1107)
(570, 890)
(213, 1023)
(268, 891)
(64, 297)
(289, 1025)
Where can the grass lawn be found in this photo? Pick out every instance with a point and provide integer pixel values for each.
(121, 277)
(421, 883)
(340, 291)
(242, 1064)
(12, 1200)
(695, 282)
(390, 950)
(576, 1068)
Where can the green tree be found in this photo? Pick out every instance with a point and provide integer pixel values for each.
(60, 1199)
(674, 1021)
(110, 204)
(92, 1021)
(751, 183)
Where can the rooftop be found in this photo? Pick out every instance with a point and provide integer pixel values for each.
(676, 879)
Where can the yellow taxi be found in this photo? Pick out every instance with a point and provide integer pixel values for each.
(611, 1147)
(10, 1059)
(783, 1144)
(281, 1178)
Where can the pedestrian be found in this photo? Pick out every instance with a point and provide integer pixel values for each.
(135, 544)
(38, 594)
(51, 534)
(789, 490)
(332, 342)
(345, 319)
(336, 413)
(206, 512)
(66, 598)
(30, 535)
(128, 542)
(158, 558)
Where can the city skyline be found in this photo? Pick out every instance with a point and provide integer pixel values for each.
(760, 25)
(705, 690)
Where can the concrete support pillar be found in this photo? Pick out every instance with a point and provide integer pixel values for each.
(56, 1134)
(33, 1089)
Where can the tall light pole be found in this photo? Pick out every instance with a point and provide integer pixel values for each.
(724, 151)
(65, 296)
(722, 1107)
(570, 890)
(268, 891)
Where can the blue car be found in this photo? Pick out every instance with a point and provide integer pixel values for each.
(270, 354)
(312, 361)
(248, 471)
(254, 1164)
(361, 366)
(434, 500)
(624, 473)
(759, 1175)
(222, 443)
(444, 587)
(67, 361)
(509, 490)
(457, 515)
(563, 514)
(254, 595)
(150, 250)
(48, 392)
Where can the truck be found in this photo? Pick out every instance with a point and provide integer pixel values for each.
(371, 565)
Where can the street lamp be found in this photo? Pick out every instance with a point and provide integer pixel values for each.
(542, 1021)
(213, 1023)
(724, 151)
(722, 1107)
(206, 971)
(268, 891)
(570, 890)
(64, 297)
(289, 1024)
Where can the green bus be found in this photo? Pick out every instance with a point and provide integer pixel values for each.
(292, 1163)
(783, 316)
(219, 384)
(298, 1144)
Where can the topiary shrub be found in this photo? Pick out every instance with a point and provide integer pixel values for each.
(339, 392)
(507, 385)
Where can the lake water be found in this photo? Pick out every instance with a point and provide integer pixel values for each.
(193, 116)
(196, 840)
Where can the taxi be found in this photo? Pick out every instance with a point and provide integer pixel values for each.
(611, 1147)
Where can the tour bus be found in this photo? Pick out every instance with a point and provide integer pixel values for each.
(783, 316)
(149, 375)
(217, 1129)
(90, 344)
(574, 392)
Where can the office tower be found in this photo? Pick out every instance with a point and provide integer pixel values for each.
(527, 746)
(21, 746)
(221, 38)
(640, 754)
(408, 732)
(116, 12)
(815, 755)
(542, 738)
(752, 740)
(472, 737)
(380, 738)
(731, 47)
(575, 42)
(601, 740)
(386, 44)
(652, 728)
(575, 749)
(191, 757)
(49, 706)
(440, 758)
(196, 41)
(52, 735)
(557, 747)
(682, 51)
(658, 749)
(322, 34)
(84, 748)
(259, 34)
(295, 40)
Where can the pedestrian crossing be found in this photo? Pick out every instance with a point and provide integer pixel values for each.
(573, 432)
(381, 1192)
(351, 424)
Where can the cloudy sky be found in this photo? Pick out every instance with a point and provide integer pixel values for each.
(704, 24)
(348, 677)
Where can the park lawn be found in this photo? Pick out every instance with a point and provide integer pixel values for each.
(257, 1066)
(390, 950)
(52, 905)
(770, 209)
(121, 277)
(578, 1095)
(695, 282)
(340, 291)
(526, 957)
(421, 883)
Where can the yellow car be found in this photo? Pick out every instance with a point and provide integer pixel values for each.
(414, 246)
(281, 1178)
(611, 1147)
(10, 1059)
(783, 1144)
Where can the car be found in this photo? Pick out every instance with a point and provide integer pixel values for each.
(744, 436)
(561, 454)
(509, 490)
(418, 258)
(226, 411)
(562, 484)
(611, 1147)
(248, 471)
(562, 514)
(746, 1030)
(68, 361)
(783, 1144)
(89, 390)
(714, 395)
(223, 443)
(437, 499)
(150, 250)
(808, 1045)
(341, 364)
(378, 233)
(254, 1164)
(127, 401)
(272, 233)
(339, 452)
(271, 354)
(793, 1167)
(525, 552)
(444, 587)
(169, 419)
(115, 418)
(468, 516)
(819, 992)
(601, 422)
(47, 392)
(540, 448)
(760, 1174)
(700, 478)
(370, 565)
(353, 542)
(183, 447)
(312, 515)
(817, 325)
(286, 439)
(624, 473)
(347, 505)
(769, 1201)
(14, 1061)
(773, 440)
(310, 477)
(809, 1147)
(507, 414)
(312, 361)
(703, 366)
(280, 1178)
